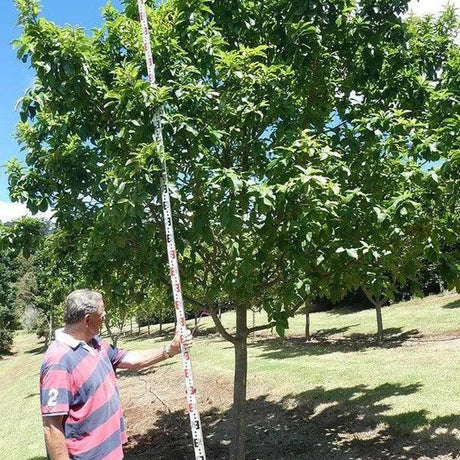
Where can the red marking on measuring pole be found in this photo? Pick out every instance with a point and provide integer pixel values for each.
(195, 422)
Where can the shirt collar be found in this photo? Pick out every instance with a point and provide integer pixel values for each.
(72, 342)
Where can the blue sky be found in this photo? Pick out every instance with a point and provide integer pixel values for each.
(15, 77)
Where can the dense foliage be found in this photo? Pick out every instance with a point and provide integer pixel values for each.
(8, 318)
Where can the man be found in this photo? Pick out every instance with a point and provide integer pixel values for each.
(80, 404)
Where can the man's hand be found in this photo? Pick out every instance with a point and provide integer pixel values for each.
(174, 347)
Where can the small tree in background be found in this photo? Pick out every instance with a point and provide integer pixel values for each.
(17, 240)
(46, 275)
(8, 319)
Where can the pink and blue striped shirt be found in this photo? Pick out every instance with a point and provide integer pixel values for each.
(77, 381)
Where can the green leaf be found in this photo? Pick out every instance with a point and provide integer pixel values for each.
(434, 176)
(352, 253)
(280, 330)
(381, 216)
(43, 205)
(121, 188)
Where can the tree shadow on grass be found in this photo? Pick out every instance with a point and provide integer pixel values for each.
(168, 332)
(392, 337)
(454, 304)
(124, 373)
(322, 334)
(210, 331)
(37, 350)
(320, 424)
(6, 354)
(352, 309)
(280, 348)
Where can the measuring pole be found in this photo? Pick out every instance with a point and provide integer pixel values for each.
(195, 421)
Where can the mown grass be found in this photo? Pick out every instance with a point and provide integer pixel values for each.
(408, 386)
(20, 424)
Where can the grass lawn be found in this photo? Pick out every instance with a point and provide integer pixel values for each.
(337, 397)
(20, 424)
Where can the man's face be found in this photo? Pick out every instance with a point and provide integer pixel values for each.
(96, 319)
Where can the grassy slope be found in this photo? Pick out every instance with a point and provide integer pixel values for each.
(346, 364)
(20, 424)
(407, 386)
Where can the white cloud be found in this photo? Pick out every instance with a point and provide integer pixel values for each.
(421, 7)
(11, 211)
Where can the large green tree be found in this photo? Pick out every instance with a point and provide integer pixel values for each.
(263, 102)
(404, 206)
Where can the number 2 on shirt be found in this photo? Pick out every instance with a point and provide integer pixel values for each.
(52, 397)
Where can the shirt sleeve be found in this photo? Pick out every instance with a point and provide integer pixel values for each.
(116, 355)
(55, 390)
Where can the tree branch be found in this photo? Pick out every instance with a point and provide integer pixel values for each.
(167, 283)
(261, 328)
(376, 303)
(220, 326)
(293, 311)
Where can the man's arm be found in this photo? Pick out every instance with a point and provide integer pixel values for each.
(139, 359)
(54, 437)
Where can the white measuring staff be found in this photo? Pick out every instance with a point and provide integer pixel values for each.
(195, 421)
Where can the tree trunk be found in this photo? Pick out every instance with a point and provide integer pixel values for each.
(378, 310)
(253, 324)
(121, 326)
(113, 336)
(307, 323)
(238, 451)
(51, 327)
(49, 332)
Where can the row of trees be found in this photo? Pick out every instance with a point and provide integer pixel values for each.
(301, 138)
(34, 289)
(35, 278)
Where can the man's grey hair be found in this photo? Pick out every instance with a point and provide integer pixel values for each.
(80, 303)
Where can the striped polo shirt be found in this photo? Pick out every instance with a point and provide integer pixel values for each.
(77, 380)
